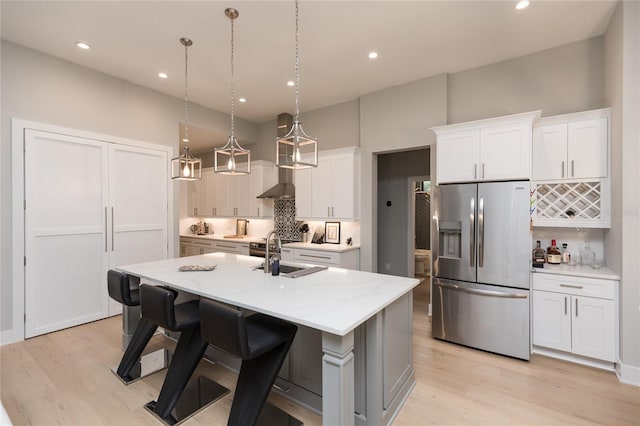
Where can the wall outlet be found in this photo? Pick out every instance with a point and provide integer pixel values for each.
(387, 266)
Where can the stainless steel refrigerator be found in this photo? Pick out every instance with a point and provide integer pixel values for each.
(481, 250)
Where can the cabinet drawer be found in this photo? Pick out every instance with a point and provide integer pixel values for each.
(591, 287)
(198, 242)
(235, 248)
(322, 257)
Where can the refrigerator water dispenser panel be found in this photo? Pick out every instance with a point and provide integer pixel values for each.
(450, 240)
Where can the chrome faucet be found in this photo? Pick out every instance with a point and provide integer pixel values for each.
(267, 264)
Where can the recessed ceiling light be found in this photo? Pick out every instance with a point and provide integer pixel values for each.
(290, 83)
(243, 100)
(82, 45)
(522, 4)
(185, 140)
(373, 55)
(162, 75)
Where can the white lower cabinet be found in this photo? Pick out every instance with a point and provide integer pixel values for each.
(193, 246)
(576, 315)
(346, 259)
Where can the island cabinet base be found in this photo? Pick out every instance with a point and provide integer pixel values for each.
(377, 354)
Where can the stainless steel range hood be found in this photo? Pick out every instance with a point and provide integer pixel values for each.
(284, 189)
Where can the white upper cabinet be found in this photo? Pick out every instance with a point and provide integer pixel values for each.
(567, 147)
(492, 149)
(331, 190)
(218, 195)
(570, 170)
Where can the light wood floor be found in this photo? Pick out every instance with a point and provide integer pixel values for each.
(64, 378)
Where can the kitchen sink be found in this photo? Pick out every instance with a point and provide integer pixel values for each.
(291, 271)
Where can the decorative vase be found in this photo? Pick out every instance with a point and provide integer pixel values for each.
(305, 237)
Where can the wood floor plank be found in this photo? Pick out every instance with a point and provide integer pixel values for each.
(64, 378)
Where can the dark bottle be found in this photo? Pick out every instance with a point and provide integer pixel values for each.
(538, 254)
(553, 254)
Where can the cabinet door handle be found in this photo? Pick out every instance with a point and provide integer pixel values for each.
(213, 213)
(576, 308)
(105, 230)
(195, 211)
(113, 225)
(571, 286)
(565, 305)
(332, 214)
(562, 168)
(472, 232)
(315, 257)
(258, 208)
(572, 169)
(482, 170)
(475, 170)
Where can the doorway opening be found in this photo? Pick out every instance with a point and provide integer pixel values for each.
(419, 232)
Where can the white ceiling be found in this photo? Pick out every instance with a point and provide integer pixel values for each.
(134, 40)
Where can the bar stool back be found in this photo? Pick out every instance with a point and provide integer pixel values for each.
(261, 341)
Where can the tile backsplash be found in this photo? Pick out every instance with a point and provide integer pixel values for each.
(284, 219)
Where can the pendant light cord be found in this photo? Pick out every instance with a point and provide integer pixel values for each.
(233, 86)
(186, 96)
(297, 67)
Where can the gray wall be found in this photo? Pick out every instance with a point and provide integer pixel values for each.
(394, 119)
(565, 79)
(393, 185)
(335, 127)
(622, 241)
(41, 88)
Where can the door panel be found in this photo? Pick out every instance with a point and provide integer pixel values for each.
(503, 234)
(138, 212)
(65, 231)
(454, 242)
(552, 320)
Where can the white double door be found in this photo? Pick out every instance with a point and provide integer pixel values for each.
(90, 206)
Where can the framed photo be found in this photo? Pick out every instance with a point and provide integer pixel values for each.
(332, 232)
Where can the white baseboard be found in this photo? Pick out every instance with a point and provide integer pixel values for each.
(628, 374)
(6, 337)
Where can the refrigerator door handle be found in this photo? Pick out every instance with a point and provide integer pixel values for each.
(481, 232)
(472, 233)
(484, 292)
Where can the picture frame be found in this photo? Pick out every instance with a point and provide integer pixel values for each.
(332, 232)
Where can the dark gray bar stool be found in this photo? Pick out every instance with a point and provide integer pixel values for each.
(158, 306)
(262, 342)
(133, 365)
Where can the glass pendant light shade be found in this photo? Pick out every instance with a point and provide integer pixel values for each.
(296, 150)
(232, 159)
(186, 166)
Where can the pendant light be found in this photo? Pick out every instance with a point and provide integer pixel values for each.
(186, 166)
(297, 150)
(232, 159)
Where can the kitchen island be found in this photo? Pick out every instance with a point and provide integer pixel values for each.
(366, 390)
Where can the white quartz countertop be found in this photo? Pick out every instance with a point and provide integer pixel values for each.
(578, 271)
(334, 300)
(335, 248)
(219, 237)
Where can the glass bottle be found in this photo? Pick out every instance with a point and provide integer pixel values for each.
(538, 254)
(553, 254)
(587, 256)
(566, 255)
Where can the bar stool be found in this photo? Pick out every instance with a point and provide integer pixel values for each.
(133, 366)
(158, 306)
(262, 342)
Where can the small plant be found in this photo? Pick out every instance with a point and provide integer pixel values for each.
(304, 228)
